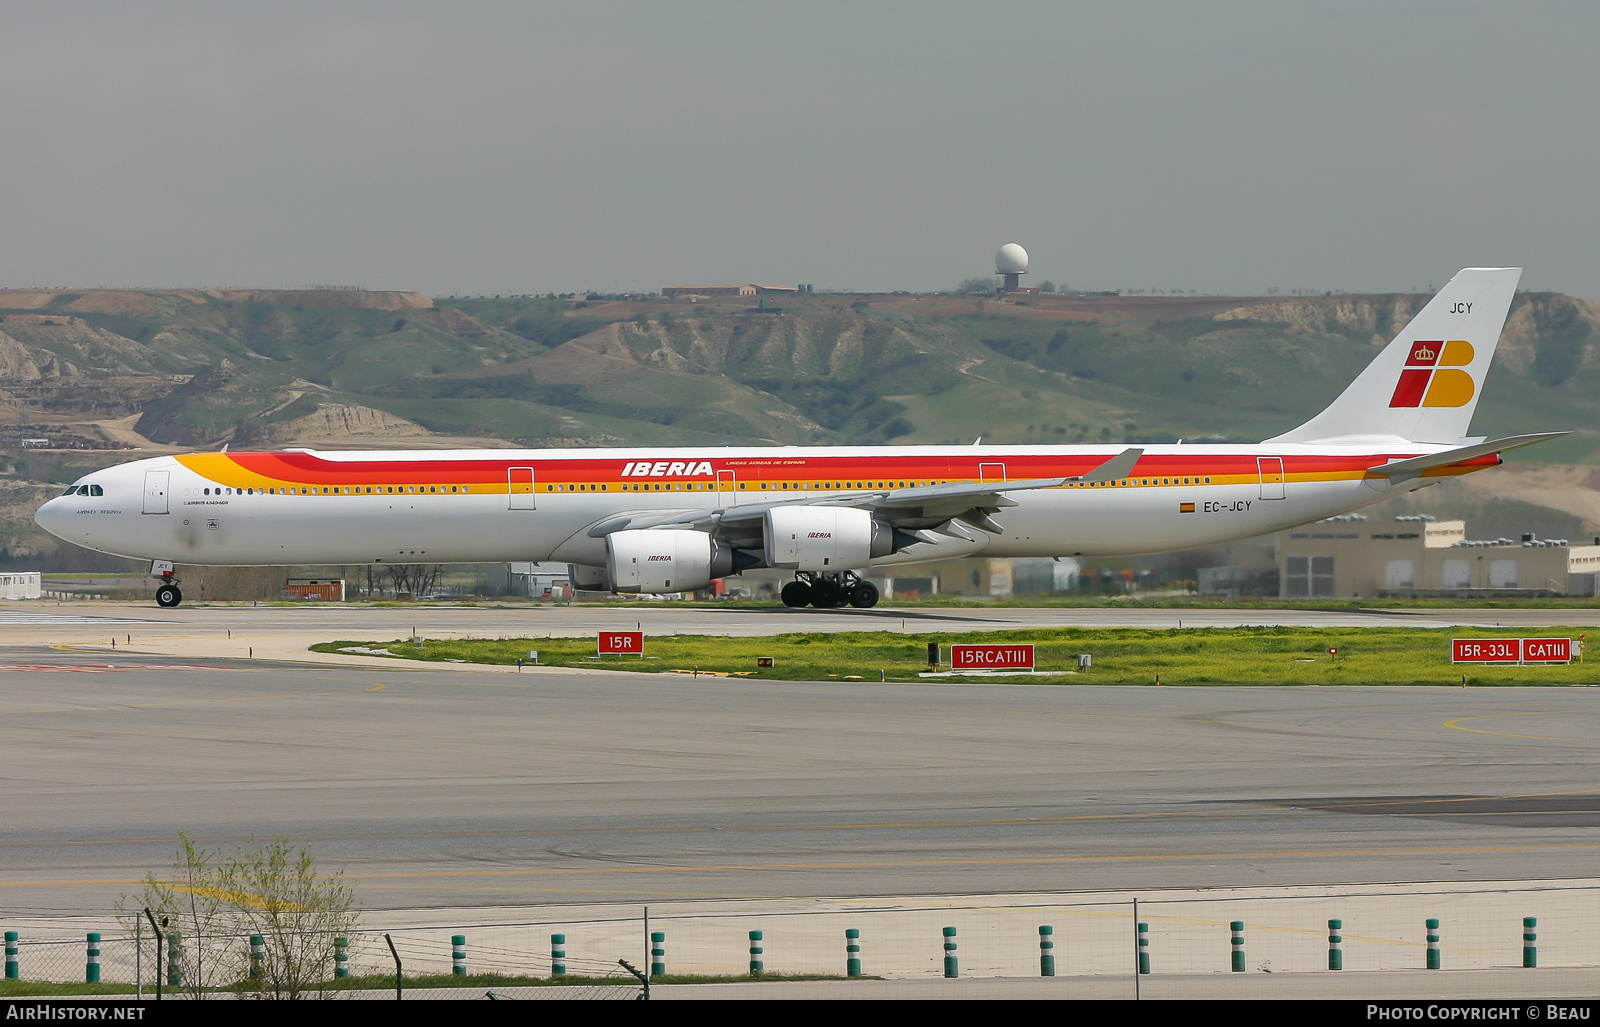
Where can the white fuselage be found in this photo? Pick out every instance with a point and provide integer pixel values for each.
(536, 505)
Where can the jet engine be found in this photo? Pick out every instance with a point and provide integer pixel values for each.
(828, 538)
(665, 560)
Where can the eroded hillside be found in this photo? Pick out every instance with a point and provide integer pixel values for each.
(162, 370)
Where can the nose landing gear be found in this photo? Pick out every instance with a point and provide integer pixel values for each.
(167, 595)
(832, 590)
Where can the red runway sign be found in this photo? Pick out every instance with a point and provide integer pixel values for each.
(620, 643)
(1547, 650)
(992, 657)
(1511, 650)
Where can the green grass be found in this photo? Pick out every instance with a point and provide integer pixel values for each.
(1198, 656)
(10, 988)
(385, 982)
(376, 982)
(1124, 602)
(1195, 602)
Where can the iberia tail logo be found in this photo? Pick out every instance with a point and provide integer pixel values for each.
(1433, 376)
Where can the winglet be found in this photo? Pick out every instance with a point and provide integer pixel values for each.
(1117, 467)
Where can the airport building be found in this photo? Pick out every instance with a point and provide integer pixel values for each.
(1351, 557)
(726, 291)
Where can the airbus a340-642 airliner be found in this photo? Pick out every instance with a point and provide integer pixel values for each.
(654, 521)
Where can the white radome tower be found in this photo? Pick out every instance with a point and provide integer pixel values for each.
(1011, 261)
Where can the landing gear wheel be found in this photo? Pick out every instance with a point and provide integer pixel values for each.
(864, 596)
(168, 596)
(795, 594)
(826, 595)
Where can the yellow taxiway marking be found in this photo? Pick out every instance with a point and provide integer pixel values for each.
(1456, 725)
(1222, 814)
(238, 898)
(879, 864)
(196, 702)
(1000, 861)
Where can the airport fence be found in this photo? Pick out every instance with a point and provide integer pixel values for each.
(1316, 935)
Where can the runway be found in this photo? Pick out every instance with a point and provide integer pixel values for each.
(352, 620)
(455, 787)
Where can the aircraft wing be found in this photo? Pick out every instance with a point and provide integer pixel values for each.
(1405, 470)
(928, 506)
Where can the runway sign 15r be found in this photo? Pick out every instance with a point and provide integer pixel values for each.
(620, 643)
(1511, 650)
(1017, 656)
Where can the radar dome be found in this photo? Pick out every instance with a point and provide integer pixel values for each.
(1011, 259)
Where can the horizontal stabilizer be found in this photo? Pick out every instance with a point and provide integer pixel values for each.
(1404, 470)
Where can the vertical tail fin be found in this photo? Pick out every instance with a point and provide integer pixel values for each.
(1425, 384)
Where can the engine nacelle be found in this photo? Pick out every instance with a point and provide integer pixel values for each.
(826, 538)
(587, 579)
(665, 560)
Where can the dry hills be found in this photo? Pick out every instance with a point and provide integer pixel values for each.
(158, 369)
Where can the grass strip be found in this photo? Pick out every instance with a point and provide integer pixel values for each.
(385, 982)
(378, 982)
(1133, 656)
(14, 988)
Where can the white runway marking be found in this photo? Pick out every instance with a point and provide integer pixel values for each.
(11, 618)
(101, 668)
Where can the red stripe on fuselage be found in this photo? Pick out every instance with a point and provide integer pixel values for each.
(311, 469)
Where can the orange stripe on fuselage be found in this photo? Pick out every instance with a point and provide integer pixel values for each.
(282, 470)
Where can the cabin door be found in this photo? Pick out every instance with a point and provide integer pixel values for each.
(155, 491)
(519, 483)
(1271, 470)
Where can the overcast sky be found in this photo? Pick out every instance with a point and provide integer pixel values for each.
(481, 147)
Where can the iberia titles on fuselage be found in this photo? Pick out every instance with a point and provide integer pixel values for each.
(649, 520)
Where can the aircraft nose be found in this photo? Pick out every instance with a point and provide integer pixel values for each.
(52, 517)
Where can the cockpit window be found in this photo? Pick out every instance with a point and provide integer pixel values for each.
(72, 490)
(95, 490)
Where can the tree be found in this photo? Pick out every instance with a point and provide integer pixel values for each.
(184, 905)
(976, 285)
(276, 892)
(216, 899)
(416, 578)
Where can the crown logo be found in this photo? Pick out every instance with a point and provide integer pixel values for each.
(1421, 384)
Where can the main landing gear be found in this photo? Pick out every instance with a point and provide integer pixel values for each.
(811, 588)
